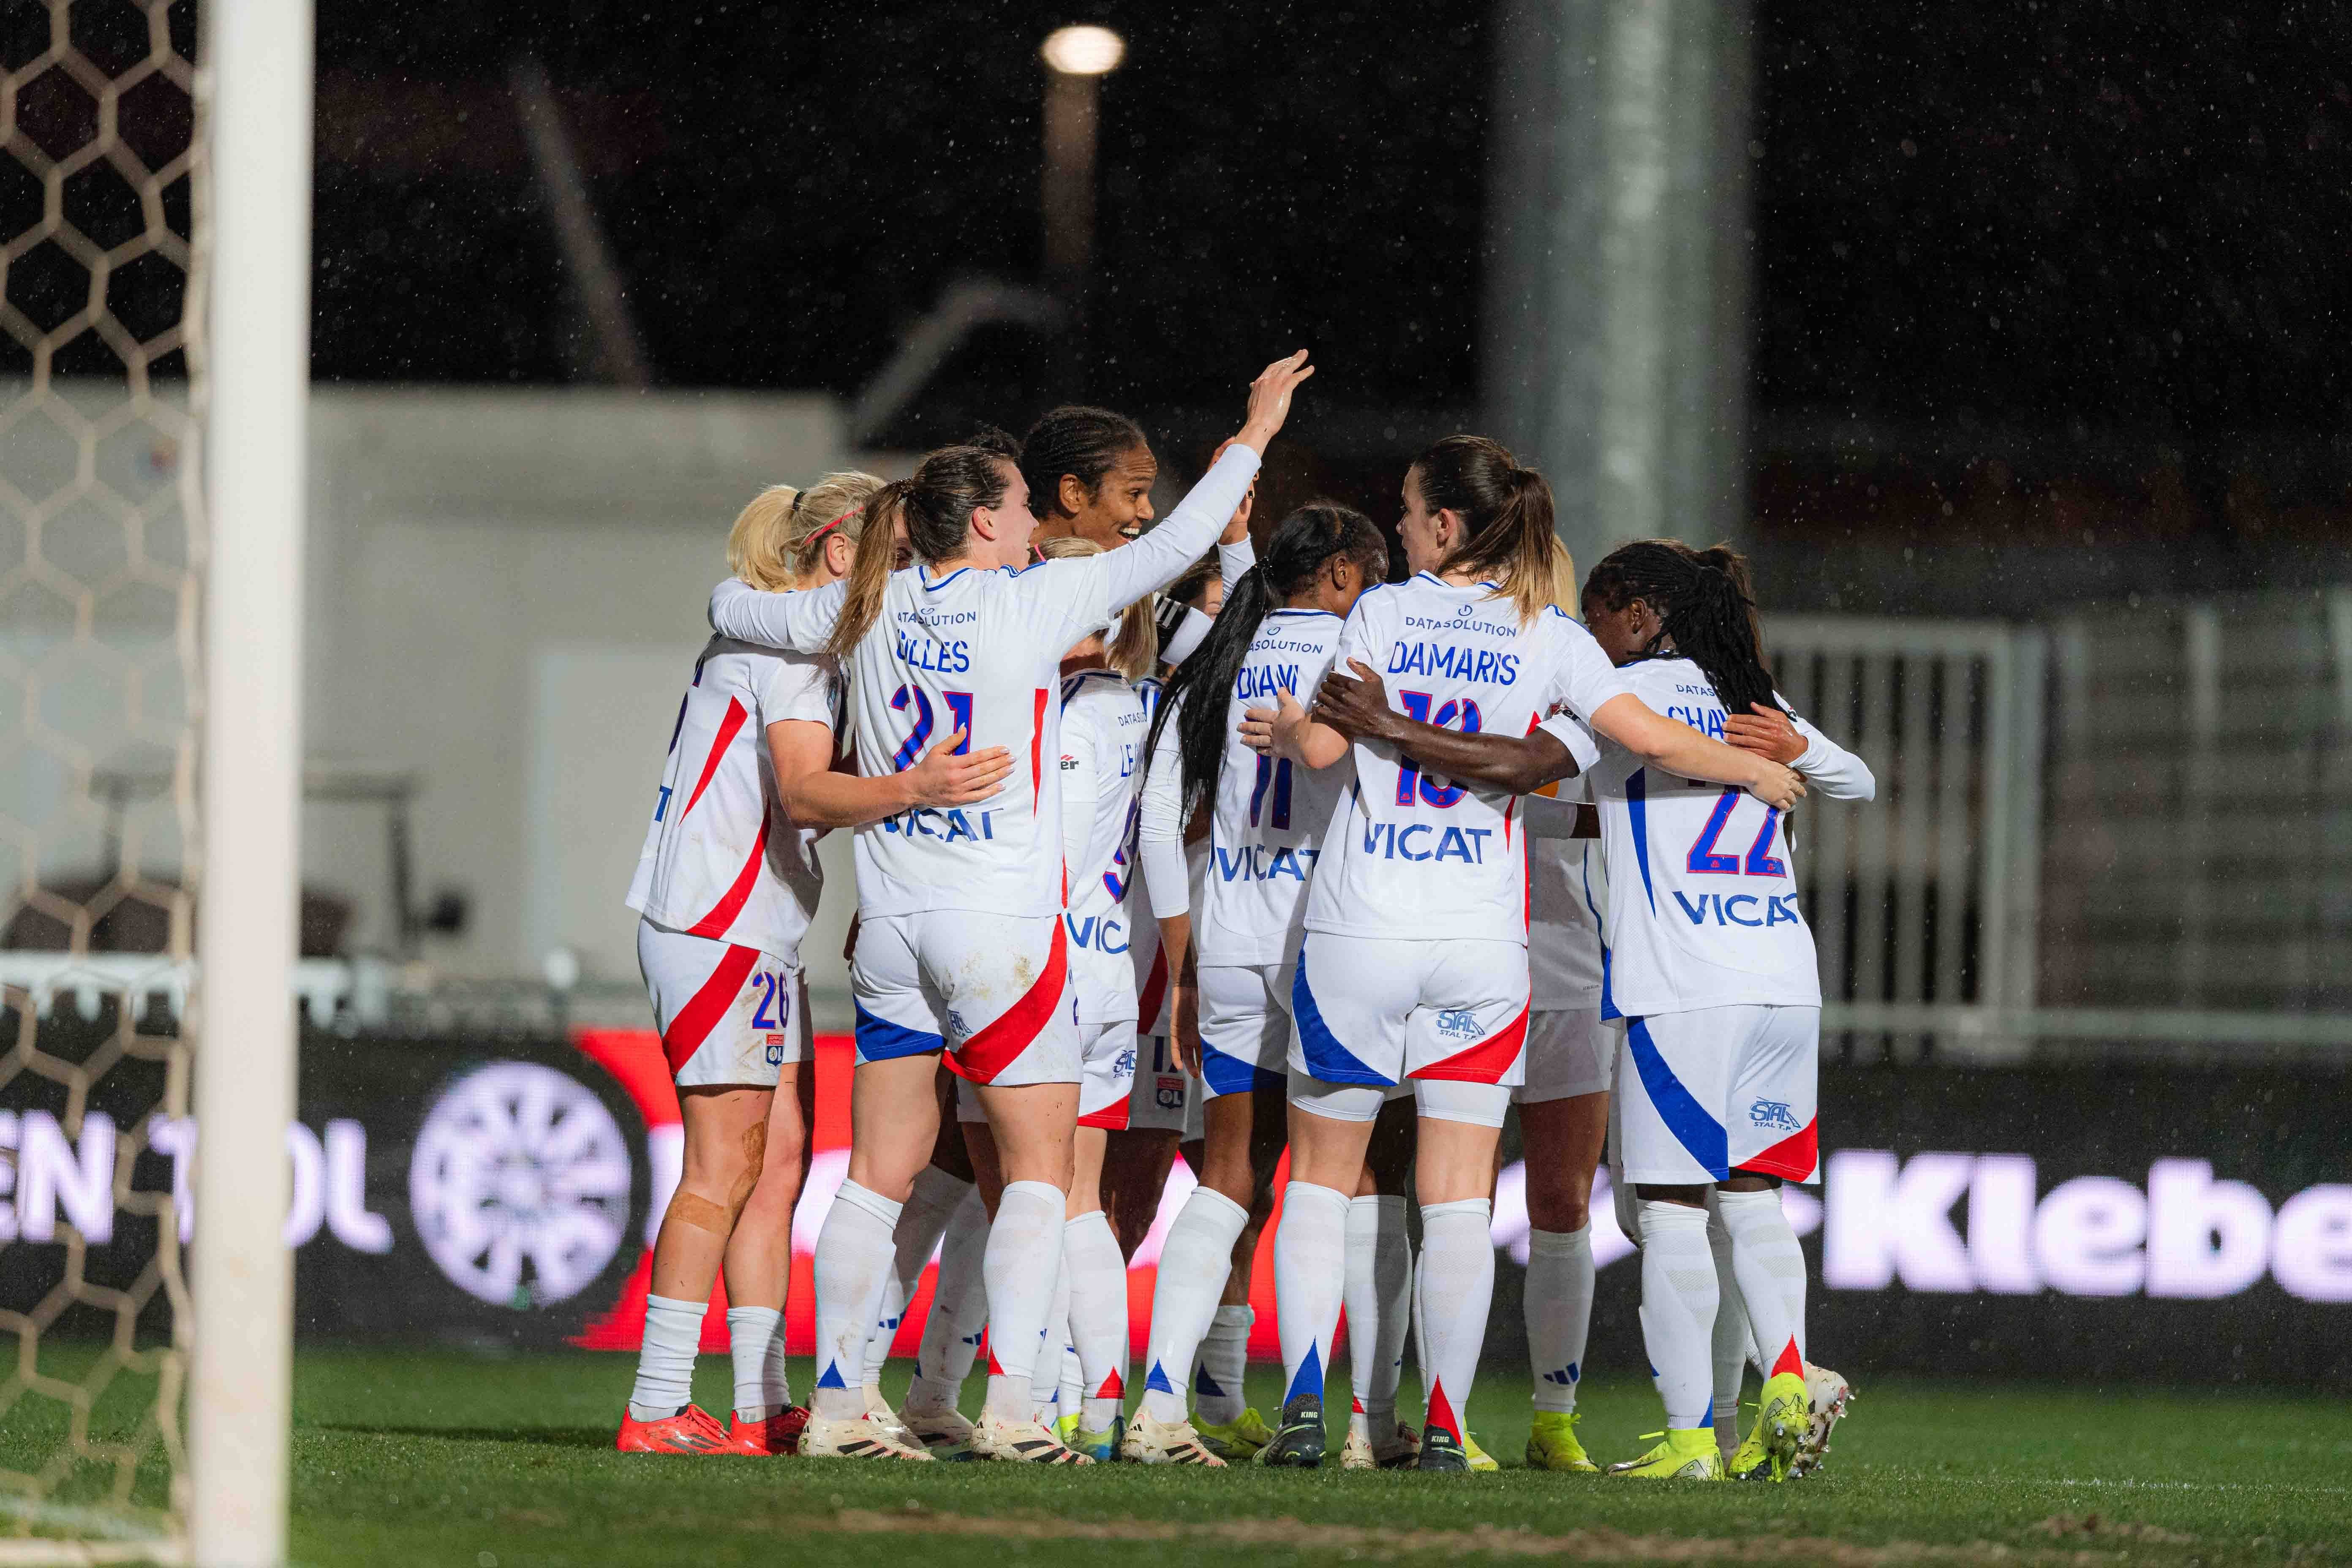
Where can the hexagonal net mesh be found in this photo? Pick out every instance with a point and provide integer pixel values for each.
(101, 568)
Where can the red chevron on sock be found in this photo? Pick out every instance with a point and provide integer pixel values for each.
(1789, 1360)
(1113, 1387)
(1355, 1405)
(1441, 1412)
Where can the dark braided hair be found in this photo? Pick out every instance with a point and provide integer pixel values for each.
(1295, 556)
(1709, 611)
(1085, 443)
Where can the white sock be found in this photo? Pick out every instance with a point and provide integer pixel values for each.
(1217, 1379)
(1378, 1293)
(1046, 1376)
(1457, 1252)
(959, 1311)
(853, 1266)
(1193, 1263)
(1678, 1303)
(1730, 1338)
(665, 1359)
(1558, 1303)
(1097, 1275)
(1074, 1381)
(1770, 1267)
(755, 1343)
(921, 1223)
(1023, 1264)
(1311, 1273)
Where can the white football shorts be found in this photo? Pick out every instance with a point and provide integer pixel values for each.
(1245, 1027)
(1109, 1074)
(727, 1015)
(1569, 1053)
(1716, 1090)
(1157, 1100)
(1379, 1011)
(991, 989)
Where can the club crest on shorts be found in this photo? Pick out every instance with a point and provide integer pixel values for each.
(1773, 1113)
(1458, 1023)
(775, 1050)
(1169, 1094)
(957, 1027)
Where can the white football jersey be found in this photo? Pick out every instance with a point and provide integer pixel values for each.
(1563, 916)
(1267, 832)
(720, 859)
(979, 651)
(1412, 855)
(1101, 763)
(1701, 907)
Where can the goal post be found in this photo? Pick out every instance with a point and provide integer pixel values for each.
(255, 383)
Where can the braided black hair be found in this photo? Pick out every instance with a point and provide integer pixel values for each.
(1295, 555)
(1705, 604)
(1084, 443)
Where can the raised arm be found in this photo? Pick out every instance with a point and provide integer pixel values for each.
(797, 622)
(1162, 555)
(814, 795)
(1160, 829)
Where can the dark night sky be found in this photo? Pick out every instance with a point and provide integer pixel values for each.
(2126, 215)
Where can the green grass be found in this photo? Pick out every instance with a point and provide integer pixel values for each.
(413, 1457)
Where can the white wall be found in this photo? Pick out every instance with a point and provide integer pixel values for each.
(506, 593)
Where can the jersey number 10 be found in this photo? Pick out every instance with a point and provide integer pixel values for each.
(1460, 715)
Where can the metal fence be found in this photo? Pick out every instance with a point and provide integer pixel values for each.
(2129, 831)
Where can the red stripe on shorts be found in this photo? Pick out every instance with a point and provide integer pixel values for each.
(722, 913)
(1485, 1062)
(1111, 1117)
(994, 1047)
(727, 728)
(702, 1015)
(1793, 1157)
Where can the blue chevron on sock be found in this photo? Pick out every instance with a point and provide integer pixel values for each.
(1309, 1378)
(832, 1378)
(1157, 1382)
(1203, 1383)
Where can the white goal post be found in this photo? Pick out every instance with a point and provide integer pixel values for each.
(257, 56)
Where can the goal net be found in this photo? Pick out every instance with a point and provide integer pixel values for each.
(102, 551)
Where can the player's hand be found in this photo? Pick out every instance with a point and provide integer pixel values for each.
(1236, 527)
(1269, 400)
(1769, 733)
(942, 778)
(1776, 786)
(1185, 1020)
(1279, 728)
(1356, 705)
(849, 945)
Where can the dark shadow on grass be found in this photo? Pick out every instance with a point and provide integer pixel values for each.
(546, 1436)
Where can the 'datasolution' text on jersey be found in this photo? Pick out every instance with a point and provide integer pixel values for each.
(979, 651)
(720, 859)
(1409, 854)
(1702, 906)
(1267, 832)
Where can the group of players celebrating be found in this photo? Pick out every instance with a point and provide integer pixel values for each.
(1243, 852)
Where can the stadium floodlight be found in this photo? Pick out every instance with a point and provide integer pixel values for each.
(1077, 59)
(1085, 50)
(258, 398)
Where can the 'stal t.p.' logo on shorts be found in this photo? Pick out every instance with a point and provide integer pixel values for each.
(1458, 1023)
(1773, 1113)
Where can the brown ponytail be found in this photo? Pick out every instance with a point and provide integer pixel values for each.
(1507, 511)
(869, 576)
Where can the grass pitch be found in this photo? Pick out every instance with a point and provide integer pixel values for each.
(427, 1457)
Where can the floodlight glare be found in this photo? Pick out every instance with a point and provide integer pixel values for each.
(1084, 50)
